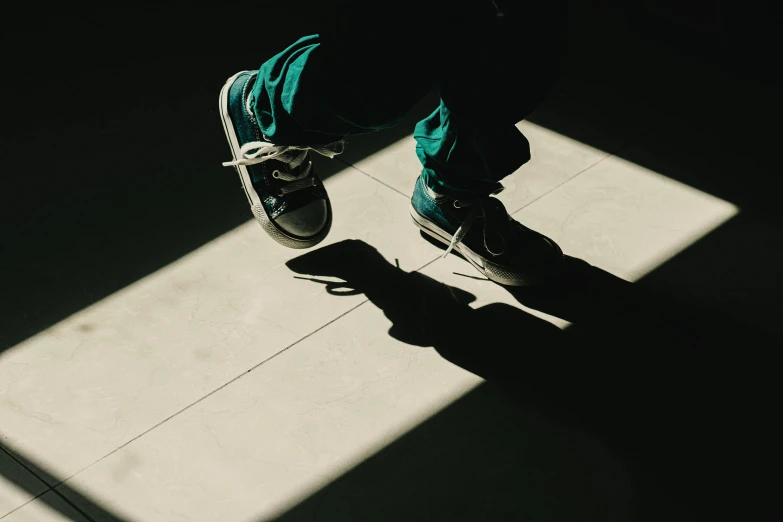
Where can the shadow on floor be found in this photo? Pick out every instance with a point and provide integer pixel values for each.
(115, 172)
(119, 173)
(37, 483)
(646, 408)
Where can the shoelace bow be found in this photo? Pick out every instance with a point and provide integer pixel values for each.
(255, 152)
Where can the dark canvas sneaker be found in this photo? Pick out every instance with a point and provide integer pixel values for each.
(484, 234)
(285, 194)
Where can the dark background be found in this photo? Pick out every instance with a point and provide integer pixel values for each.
(110, 158)
(108, 131)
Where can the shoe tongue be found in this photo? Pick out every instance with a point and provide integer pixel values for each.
(532, 246)
(498, 233)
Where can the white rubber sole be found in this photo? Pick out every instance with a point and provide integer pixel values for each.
(269, 226)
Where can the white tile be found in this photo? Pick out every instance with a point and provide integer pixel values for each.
(279, 433)
(617, 216)
(624, 218)
(106, 374)
(47, 508)
(398, 167)
(17, 485)
(337, 403)
(555, 159)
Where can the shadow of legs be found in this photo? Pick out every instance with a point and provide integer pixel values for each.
(650, 377)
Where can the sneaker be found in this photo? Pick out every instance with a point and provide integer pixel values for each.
(481, 230)
(285, 194)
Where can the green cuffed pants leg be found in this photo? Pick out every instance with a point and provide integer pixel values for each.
(357, 79)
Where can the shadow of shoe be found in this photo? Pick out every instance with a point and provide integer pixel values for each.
(496, 341)
(410, 301)
(642, 372)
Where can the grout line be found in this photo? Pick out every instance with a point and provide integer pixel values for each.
(373, 177)
(17, 508)
(615, 154)
(406, 196)
(254, 367)
(608, 155)
(187, 407)
(183, 409)
(33, 473)
(194, 403)
(73, 505)
(53, 488)
(561, 184)
(49, 489)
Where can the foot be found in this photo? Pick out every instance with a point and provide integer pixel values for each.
(481, 230)
(285, 194)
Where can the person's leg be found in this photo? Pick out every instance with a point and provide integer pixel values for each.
(461, 159)
(314, 93)
(317, 92)
(362, 72)
(322, 89)
(471, 142)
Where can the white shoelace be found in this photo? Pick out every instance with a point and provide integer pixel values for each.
(459, 235)
(480, 207)
(255, 152)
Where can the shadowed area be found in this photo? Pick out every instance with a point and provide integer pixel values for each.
(659, 407)
(658, 403)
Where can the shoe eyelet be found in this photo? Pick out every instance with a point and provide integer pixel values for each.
(280, 193)
(276, 174)
(456, 204)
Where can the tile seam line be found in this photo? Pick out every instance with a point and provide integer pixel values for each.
(35, 497)
(256, 366)
(373, 178)
(53, 488)
(206, 396)
(523, 207)
(50, 489)
(608, 155)
(73, 505)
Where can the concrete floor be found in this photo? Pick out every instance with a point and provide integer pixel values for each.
(164, 360)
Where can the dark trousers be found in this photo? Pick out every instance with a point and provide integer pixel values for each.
(493, 63)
